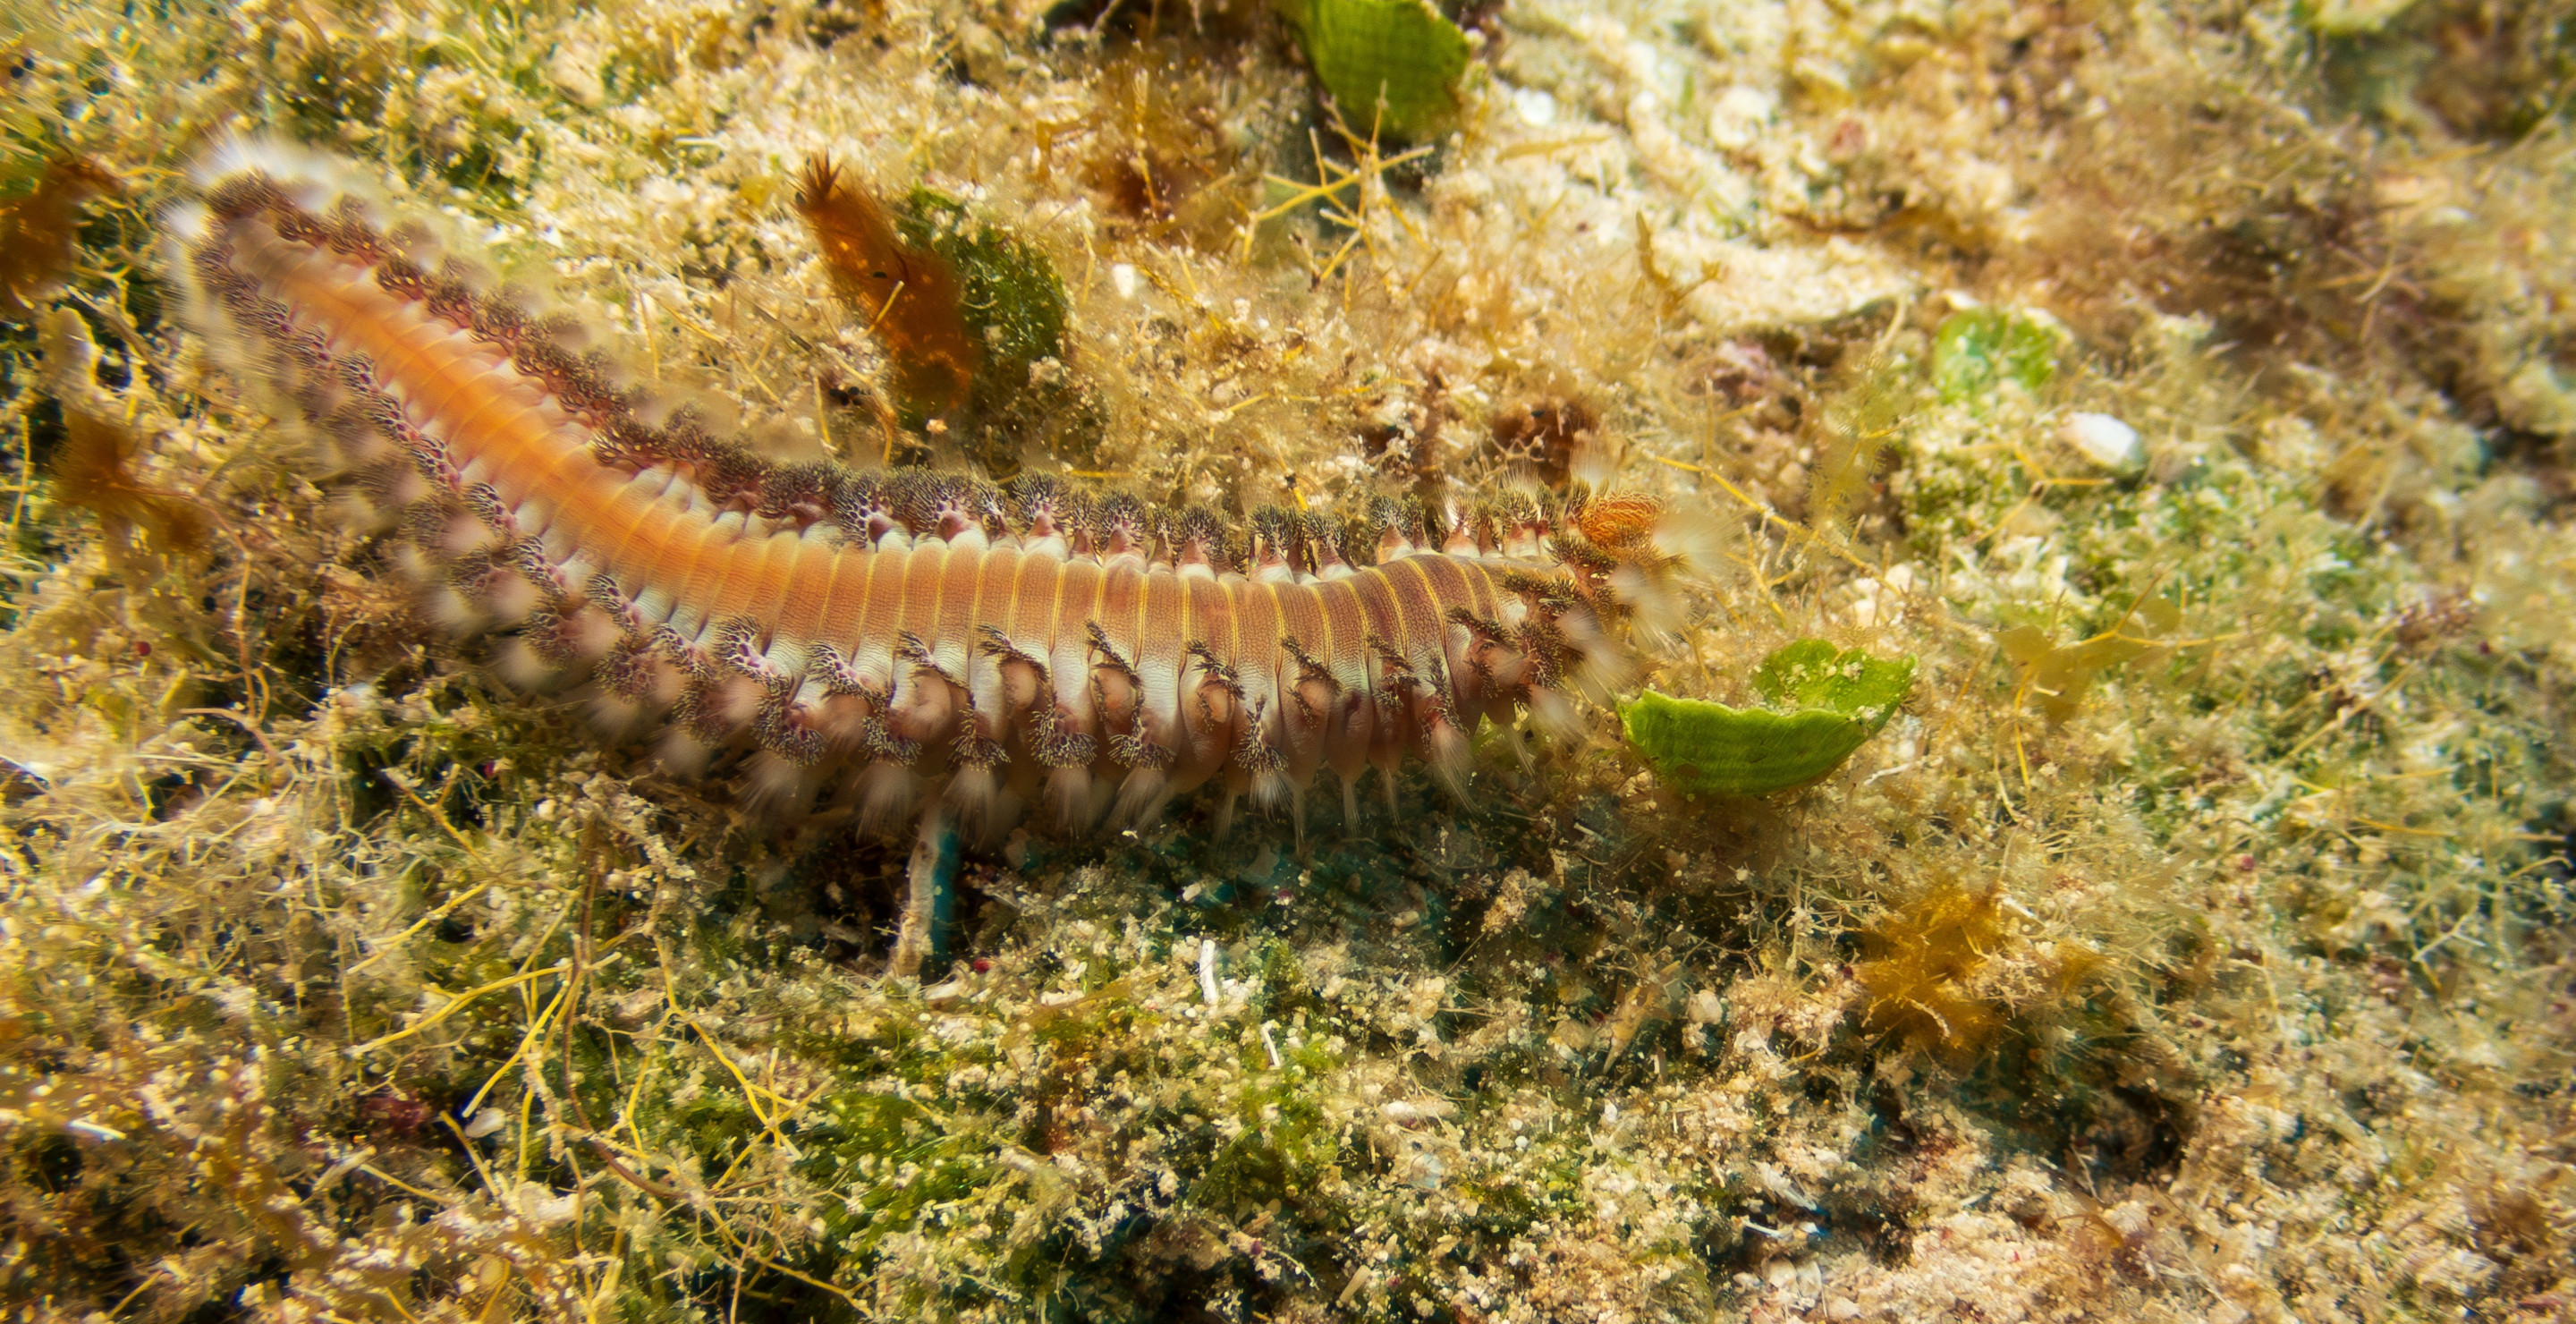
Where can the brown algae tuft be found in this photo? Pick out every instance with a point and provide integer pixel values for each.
(37, 230)
(908, 295)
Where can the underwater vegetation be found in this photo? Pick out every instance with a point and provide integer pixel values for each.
(1825, 703)
(36, 229)
(909, 295)
(2132, 457)
(1392, 65)
(972, 318)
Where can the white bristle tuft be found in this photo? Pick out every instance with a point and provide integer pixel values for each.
(1693, 539)
(1446, 749)
(452, 611)
(590, 633)
(1556, 716)
(360, 511)
(886, 793)
(1140, 798)
(1654, 602)
(613, 717)
(311, 178)
(509, 598)
(778, 788)
(523, 669)
(974, 794)
(682, 754)
(1070, 799)
(735, 702)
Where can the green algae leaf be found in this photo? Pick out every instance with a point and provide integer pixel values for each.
(1980, 349)
(1013, 302)
(1402, 50)
(1012, 296)
(1827, 703)
(1812, 674)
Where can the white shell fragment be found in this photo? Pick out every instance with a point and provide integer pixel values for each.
(2106, 441)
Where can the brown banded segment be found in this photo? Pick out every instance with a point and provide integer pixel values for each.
(1031, 628)
(622, 519)
(1301, 615)
(883, 619)
(1450, 584)
(701, 568)
(921, 584)
(1121, 605)
(844, 621)
(951, 635)
(508, 415)
(777, 579)
(1161, 627)
(1345, 641)
(1080, 586)
(1256, 629)
(997, 584)
(658, 558)
(805, 609)
(1210, 617)
(1418, 625)
(1377, 599)
(748, 587)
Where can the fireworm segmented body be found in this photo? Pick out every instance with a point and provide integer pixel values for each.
(899, 639)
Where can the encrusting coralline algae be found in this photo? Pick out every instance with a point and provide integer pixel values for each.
(2186, 947)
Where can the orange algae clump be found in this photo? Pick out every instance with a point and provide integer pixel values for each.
(94, 471)
(1927, 959)
(910, 296)
(1940, 975)
(37, 231)
(1619, 519)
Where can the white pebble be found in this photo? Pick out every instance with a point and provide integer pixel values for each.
(2105, 440)
(1739, 117)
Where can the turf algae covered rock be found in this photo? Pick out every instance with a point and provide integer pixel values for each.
(2192, 945)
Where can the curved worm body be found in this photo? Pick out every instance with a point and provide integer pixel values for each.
(903, 638)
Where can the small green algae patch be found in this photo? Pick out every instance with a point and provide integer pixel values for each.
(1833, 702)
(1399, 51)
(1012, 297)
(1013, 301)
(1977, 350)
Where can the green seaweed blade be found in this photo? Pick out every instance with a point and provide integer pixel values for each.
(1837, 700)
(1402, 50)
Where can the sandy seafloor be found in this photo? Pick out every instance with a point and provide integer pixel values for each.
(2188, 388)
